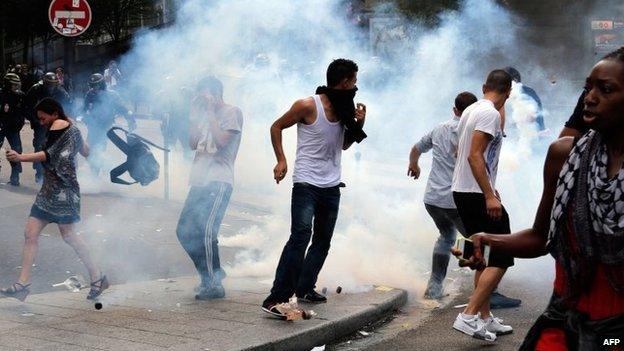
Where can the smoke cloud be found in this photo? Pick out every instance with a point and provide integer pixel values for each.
(271, 53)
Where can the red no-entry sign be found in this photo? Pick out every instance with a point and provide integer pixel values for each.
(70, 17)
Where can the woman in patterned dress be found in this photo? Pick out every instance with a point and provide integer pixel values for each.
(580, 222)
(58, 201)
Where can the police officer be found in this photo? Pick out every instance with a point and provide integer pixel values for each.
(12, 116)
(47, 87)
(101, 106)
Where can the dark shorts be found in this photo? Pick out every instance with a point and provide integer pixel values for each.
(38, 213)
(473, 213)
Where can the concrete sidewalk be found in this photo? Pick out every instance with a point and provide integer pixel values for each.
(163, 314)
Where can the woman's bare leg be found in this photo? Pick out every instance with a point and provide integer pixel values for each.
(34, 227)
(68, 233)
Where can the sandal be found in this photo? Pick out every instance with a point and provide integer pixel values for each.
(97, 287)
(17, 290)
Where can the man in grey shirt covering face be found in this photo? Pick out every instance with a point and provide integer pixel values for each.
(215, 135)
(439, 203)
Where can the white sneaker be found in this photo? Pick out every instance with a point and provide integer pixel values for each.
(474, 327)
(496, 326)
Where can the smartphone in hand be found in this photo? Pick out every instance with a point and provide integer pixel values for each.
(465, 246)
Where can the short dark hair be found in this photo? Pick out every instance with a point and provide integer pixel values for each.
(499, 81)
(464, 100)
(211, 84)
(51, 106)
(515, 74)
(340, 69)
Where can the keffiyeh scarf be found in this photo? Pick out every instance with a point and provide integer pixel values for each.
(596, 206)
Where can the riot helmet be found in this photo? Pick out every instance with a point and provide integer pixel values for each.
(50, 82)
(96, 81)
(12, 82)
(50, 78)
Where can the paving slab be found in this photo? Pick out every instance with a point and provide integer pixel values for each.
(164, 315)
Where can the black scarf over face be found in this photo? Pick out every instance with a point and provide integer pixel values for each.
(344, 107)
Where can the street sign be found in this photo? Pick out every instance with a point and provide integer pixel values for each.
(69, 18)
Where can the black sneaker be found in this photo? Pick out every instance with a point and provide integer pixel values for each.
(312, 297)
(215, 292)
(498, 301)
(270, 308)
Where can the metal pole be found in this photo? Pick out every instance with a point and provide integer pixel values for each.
(166, 139)
(69, 54)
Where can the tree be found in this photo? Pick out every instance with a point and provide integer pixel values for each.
(116, 17)
(42, 29)
(427, 10)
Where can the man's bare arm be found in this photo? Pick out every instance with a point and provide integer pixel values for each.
(297, 113)
(413, 169)
(479, 143)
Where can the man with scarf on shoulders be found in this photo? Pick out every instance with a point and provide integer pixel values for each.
(327, 123)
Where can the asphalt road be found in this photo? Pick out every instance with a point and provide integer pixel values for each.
(130, 231)
(530, 280)
(134, 239)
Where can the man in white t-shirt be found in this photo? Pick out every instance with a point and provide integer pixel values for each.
(478, 203)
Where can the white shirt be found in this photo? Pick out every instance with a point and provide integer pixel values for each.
(319, 149)
(212, 164)
(443, 142)
(481, 116)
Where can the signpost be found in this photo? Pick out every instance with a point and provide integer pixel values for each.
(70, 18)
(608, 35)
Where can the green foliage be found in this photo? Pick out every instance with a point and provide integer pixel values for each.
(426, 10)
(115, 17)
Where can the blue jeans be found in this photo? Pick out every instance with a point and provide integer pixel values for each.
(198, 228)
(13, 137)
(448, 222)
(297, 271)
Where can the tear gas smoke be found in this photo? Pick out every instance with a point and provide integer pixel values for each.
(270, 53)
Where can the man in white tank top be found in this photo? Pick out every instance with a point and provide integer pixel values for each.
(327, 123)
